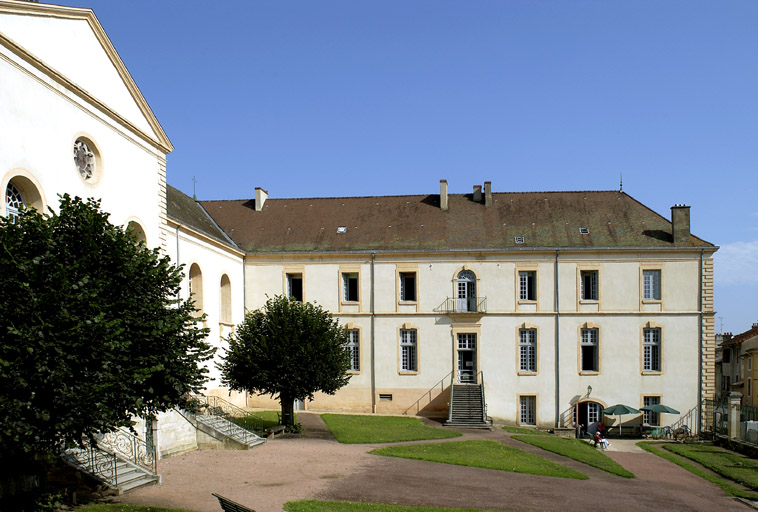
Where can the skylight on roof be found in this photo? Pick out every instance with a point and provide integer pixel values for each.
(519, 239)
(584, 231)
(342, 229)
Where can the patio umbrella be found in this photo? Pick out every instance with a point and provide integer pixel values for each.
(660, 408)
(619, 410)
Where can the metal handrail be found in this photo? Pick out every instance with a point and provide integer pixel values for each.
(217, 406)
(232, 430)
(123, 443)
(441, 383)
(99, 463)
(484, 402)
(689, 419)
(455, 305)
(452, 391)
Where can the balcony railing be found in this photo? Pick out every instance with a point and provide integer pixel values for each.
(467, 305)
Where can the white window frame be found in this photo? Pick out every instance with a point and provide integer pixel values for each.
(591, 294)
(590, 337)
(527, 285)
(652, 349)
(649, 417)
(409, 350)
(404, 277)
(594, 411)
(527, 409)
(290, 277)
(347, 278)
(651, 284)
(353, 346)
(527, 350)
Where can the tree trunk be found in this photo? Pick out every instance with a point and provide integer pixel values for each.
(288, 415)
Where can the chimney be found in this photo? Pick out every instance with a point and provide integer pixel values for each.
(680, 224)
(260, 198)
(443, 194)
(487, 193)
(477, 193)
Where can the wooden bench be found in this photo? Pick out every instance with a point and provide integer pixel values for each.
(272, 431)
(228, 505)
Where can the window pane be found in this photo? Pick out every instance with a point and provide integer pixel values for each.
(648, 417)
(528, 410)
(350, 287)
(408, 286)
(528, 350)
(527, 285)
(651, 284)
(295, 287)
(353, 347)
(408, 350)
(588, 282)
(590, 350)
(651, 350)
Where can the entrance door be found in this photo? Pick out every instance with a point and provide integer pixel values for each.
(466, 292)
(466, 358)
(589, 414)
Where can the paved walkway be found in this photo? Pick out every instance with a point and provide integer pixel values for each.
(317, 467)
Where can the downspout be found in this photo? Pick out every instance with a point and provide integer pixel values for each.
(557, 344)
(373, 319)
(178, 262)
(700, 347)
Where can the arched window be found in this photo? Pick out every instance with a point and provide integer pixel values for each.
(466, 291)
(21, 192)
(226, 300)
(14, 201)
(135, 229)
(196, 287)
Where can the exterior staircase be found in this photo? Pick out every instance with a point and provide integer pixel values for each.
(212, 418)
(218, 426)
(467, 407)
(120, 460)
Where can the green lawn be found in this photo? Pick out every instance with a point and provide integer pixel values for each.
(656, 449)
(523, 430)
(357, 429)
(108, 507)
(481, 454)
(577, 450)
(258, 421)
(344, 506)
(724, 462)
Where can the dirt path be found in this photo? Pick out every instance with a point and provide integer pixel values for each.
(315, 466)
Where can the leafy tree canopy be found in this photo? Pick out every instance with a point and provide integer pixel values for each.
(91, 329)
(288, 350)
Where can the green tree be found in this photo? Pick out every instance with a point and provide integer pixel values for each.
(288, 350)
(91, 330)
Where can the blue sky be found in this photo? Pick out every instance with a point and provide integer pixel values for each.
(346, 98)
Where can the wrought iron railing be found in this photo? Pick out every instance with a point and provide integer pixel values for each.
(229, 429)
(100, 464)
(428, 393)
(129, 447)
(467, 305)
(452, 392)
(480, 381)
(217, 406)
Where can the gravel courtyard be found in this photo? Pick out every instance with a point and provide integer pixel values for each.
(315, 466)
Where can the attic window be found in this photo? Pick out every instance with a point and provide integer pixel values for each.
(519, 239)
(342, 229)
(584, 231)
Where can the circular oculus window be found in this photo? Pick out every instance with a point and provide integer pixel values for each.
(85, 159)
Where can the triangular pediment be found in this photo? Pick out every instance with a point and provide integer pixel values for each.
(69, 45)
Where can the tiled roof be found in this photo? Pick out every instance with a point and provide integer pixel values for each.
(742, 337)
(408, 223)
(187, 211)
